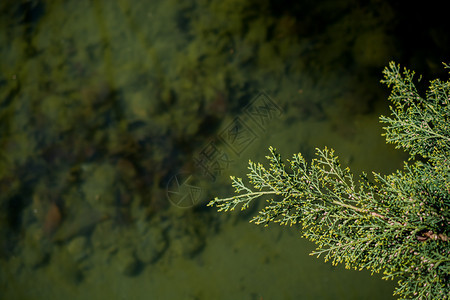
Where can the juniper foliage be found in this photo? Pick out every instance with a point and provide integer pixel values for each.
(398, 224)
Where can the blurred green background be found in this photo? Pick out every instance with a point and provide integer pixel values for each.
(120, 120)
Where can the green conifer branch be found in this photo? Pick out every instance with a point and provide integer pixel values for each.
(420, 126)
(398, 224)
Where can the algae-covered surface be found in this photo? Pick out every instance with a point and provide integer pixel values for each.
(120, 120)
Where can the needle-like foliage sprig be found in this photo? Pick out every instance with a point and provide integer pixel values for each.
(420, 126)
(398, 224)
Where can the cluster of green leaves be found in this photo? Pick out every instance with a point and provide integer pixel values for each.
(398, 224)
(419, 125)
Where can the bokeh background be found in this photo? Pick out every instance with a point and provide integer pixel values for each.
(120, 120)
